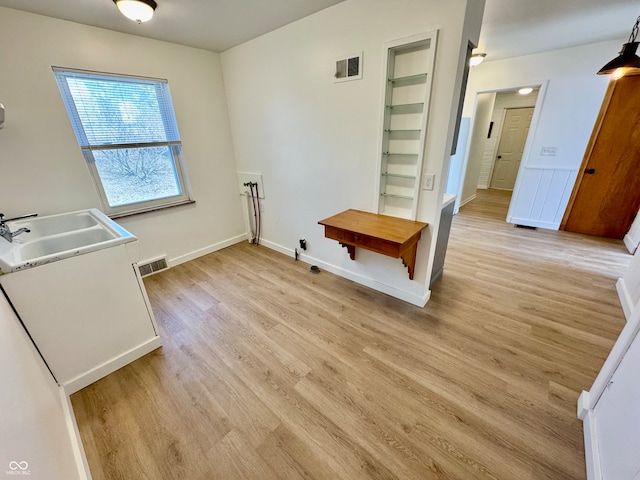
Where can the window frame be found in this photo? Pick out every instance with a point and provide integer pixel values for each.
(175, 146)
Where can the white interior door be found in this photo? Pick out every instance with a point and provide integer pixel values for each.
(512, 140)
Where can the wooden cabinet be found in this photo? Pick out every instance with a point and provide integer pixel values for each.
(395, 237)
(406, 105)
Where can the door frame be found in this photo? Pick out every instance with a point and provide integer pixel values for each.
(542, 85)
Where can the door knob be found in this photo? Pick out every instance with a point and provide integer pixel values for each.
(590, 171)
(499, 156)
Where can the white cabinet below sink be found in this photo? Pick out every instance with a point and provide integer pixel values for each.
(88, 315)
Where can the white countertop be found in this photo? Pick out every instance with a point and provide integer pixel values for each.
(448, 199)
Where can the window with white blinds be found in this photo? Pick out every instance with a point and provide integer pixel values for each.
(127, 131)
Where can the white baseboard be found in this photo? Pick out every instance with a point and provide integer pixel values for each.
(110, 366)
(630, 243)
(625, 298)
(591, 452)
(84, 473)
(529, 222)
(418, 300)
(467, 200)
(206, 250)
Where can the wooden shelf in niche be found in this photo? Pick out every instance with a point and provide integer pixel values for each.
(405, 109)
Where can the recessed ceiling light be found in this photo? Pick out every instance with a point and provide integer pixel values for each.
(525, 90)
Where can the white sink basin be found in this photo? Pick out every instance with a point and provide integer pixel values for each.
(54, 224)
(57, 237)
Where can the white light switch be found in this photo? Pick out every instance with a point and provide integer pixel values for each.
(427, 181)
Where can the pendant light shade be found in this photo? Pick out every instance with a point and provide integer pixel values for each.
(627, 61)
(137, 10)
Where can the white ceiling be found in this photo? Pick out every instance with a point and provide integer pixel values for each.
(510, 28)
(518, 27)
(210, 24)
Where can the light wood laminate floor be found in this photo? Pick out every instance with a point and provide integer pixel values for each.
(270, 372)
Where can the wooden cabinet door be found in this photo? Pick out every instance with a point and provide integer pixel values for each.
(606, 195)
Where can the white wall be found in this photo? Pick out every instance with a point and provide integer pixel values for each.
(632, 238)
(42, 167)
(481, 119)
(629, 287)
(36, 427)
(571, 96)
(503, 101)
(609, 410)
(316, 142)
(457, 161)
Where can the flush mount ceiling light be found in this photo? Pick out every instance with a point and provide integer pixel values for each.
(627, 61)
(476, 59)
(525, 90)
(137, 10)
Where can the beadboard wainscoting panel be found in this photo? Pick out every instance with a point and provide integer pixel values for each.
(542, 196)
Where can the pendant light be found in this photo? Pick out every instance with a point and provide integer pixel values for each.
(137, 10)
(627, 59)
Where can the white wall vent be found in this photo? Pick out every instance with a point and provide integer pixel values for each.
(153, 266)
(349, 67)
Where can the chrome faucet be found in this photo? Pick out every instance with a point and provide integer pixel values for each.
(5, 231)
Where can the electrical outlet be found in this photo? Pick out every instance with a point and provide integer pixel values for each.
(428, 179)
(549, 151)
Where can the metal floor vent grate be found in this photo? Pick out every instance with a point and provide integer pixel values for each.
(153, 267)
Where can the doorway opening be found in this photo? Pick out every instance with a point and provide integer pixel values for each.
(495, 145)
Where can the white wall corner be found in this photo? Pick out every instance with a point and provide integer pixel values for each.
(625, 298)
(467, 200)
(84, 473)
(591, 452)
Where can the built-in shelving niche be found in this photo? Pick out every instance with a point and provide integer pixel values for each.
(406, 106)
